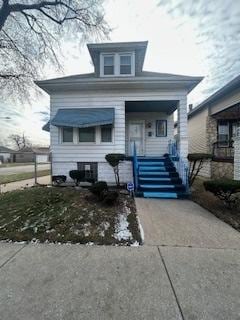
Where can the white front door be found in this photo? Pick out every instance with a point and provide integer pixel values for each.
(136, 134)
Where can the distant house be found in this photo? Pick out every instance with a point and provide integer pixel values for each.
(6, 154)
(28, 154)
(212, 127)
(120, 108)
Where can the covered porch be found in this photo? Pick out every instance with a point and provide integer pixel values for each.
(223, 130)
(159, 163)
(149, 124)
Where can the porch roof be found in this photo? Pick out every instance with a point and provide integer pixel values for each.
(83, 117)
(166, 106)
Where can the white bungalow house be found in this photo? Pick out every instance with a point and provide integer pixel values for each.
(115, 108)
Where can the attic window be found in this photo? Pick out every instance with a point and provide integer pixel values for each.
(125, 64)
(117, 64)
(108, 62)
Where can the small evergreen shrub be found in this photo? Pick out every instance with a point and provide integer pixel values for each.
(110, 197)
(224, 189)
(77, 176)
(114, 160)
(57, 180)
(99, 188)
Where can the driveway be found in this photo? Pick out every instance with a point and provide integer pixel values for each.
(197, 278)
(22, 169)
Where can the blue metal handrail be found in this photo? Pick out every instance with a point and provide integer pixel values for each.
(181, 165)
(135, 166)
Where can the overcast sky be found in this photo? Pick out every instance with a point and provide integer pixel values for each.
(192, 37)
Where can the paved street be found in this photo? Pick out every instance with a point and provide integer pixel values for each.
(22, 169)
(190, 273)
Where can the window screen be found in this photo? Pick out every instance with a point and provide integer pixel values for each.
(87, 134)
(125, 64)
(67, 134)
(106, 133)
(108, 65)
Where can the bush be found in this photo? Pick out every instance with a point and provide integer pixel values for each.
(77, 176)
(57, 180)
(114, 159)
(110, 197)
(98, 188)
(196, 163)
(224, 189)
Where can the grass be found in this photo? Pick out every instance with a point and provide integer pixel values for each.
(15, 164)
(64, 215)
(208, 201)
(22, 176)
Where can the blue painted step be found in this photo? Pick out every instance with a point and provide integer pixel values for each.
(160, 195)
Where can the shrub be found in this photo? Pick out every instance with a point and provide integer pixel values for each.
(77, 176)
(196, 163)
(110, 197)
(114, 160)
(224, 189)
(57, 180)
(99, 188)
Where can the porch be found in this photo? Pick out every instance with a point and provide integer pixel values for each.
(150, 126)
(159, 165)
(222, 131)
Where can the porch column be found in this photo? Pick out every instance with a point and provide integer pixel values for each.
(182, 129)
(237, 155)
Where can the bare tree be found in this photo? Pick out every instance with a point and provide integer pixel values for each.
(20, 141)
(30, 34)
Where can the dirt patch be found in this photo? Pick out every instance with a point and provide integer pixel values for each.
(65, 215)
(208, 201)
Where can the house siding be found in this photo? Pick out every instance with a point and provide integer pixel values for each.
(66, 156)
(197, 132)
(225, 102)
(153, 145)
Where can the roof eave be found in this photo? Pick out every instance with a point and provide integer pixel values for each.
(91, 84)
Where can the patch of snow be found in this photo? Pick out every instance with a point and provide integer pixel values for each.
(121, 229)
(89, 243)
(104, 226)
(135, 244)
(140, 229)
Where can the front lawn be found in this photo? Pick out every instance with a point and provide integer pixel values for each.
(67, 215)
(208, 201)
(22, 176)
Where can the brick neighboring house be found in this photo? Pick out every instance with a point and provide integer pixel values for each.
(212, 128)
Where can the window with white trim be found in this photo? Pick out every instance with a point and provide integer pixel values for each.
(106, 133)
(67, 134)
(117, 64)
(87, 134)
(161, 128)
(108, 64)
(125, 64)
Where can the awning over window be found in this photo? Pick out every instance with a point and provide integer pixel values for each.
(46, 127)
(83, 117)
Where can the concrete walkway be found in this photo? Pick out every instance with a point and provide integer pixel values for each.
(162, 280)
(23, 184)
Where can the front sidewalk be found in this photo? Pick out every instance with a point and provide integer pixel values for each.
(189, 268)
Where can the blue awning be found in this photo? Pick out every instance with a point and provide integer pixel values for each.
(46, 127)
(83, 117)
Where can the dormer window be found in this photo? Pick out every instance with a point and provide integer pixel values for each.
(117, 64)
(126, 64)
(108, 61)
